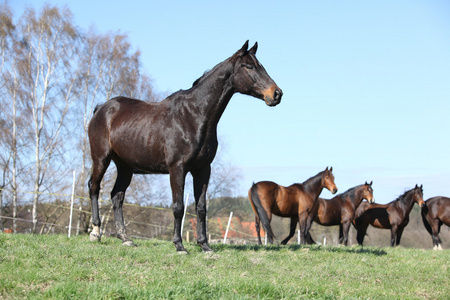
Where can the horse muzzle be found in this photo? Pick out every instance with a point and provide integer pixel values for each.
(273, 97)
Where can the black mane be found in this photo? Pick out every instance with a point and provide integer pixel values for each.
(350, 192)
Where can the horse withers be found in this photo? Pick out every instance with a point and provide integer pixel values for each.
(340, 210)
(175, 136)
(393, 216)
(295, 202)
(436, 212)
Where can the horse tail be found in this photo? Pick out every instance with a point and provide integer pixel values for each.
(254, 198)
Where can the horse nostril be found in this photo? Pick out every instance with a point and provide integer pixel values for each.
(277, 95)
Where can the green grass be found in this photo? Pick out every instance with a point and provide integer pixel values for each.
(55, 267)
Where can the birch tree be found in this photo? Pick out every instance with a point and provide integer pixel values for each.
(49, 45)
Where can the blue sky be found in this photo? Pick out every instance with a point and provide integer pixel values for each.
(366, 83)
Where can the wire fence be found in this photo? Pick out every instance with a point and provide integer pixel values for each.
(54, 218)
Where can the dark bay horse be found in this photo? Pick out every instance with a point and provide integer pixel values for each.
(175, 136)
(340, 210)
(295, 202)
(393, 216)
(436, 212)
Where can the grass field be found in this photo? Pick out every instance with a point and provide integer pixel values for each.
(55, 267)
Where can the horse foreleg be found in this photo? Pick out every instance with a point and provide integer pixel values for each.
(343, 232)
(291, 231)
(303, 228)
(123, 180)
(201, 179)
(393, 234)
(399, 235)
(177, 178)
(309, 221)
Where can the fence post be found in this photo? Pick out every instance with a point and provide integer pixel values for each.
(228, 226)
(71, 203)
(184, 215)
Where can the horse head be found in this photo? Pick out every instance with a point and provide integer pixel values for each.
(418, 195)
(251, 78)
(368, 192)
(328, 180)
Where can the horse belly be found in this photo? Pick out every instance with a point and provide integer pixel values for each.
(140, 150)
(328, 215)
(285, 209)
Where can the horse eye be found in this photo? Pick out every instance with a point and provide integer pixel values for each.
(247, 66)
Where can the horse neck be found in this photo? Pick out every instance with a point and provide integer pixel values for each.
(213, 92)
(406, 202)
(358, 196)
(314, 185)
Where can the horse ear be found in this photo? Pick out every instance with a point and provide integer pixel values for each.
(331, 169)
(244, 48)
(371, 183)
(421, 186)
(416, 187)
(326, 169)
(253, 49)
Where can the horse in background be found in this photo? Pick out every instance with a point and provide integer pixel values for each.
(340, 210)
(175, 136)
(435, 212)
(295, 202)
(393, 216)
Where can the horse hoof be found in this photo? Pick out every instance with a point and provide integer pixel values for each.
(205, 248)
(94, 237)
(129, 243)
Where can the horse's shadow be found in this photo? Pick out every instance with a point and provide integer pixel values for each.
(294, 248)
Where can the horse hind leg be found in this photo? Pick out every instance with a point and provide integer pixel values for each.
(123, 180)
(436, 228)
(361, 230)
(99, 167)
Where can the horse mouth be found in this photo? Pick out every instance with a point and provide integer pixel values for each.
(271, 102)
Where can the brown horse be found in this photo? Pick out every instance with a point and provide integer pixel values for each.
(340, 210)
(295, 202)
(175, 136)
(436, 212)
(393, 216)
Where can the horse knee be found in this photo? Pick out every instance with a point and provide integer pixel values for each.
(201, 211)
(178, 210)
